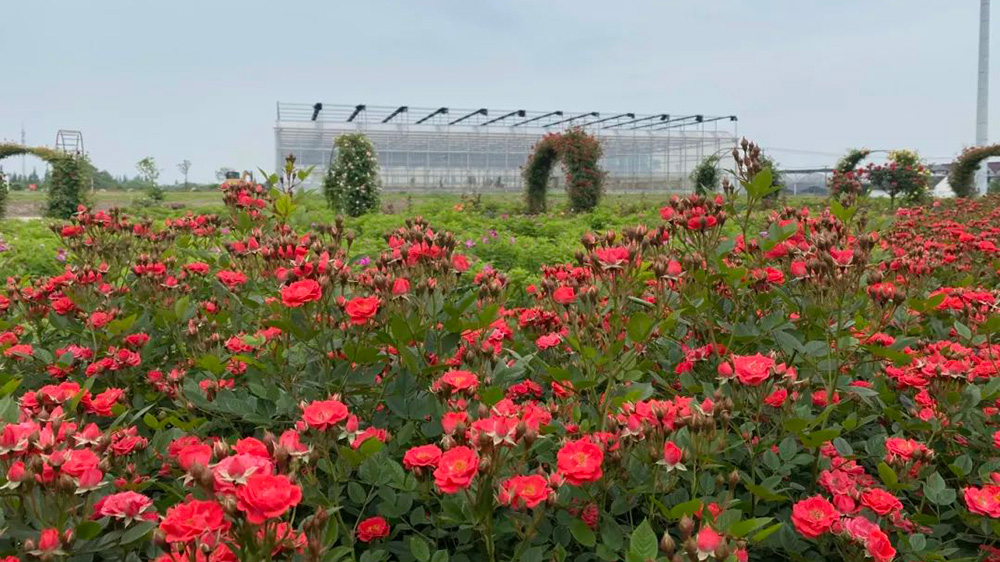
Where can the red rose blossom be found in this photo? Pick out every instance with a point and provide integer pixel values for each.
(373, 528)
(301, 292)
(266, 496)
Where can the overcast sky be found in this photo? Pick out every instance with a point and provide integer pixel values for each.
(199, 79)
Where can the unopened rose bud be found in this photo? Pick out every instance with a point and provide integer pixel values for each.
(667, 544)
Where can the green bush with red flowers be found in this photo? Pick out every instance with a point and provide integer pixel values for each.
(236, 387)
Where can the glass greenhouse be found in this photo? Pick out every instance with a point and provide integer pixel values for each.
(461, 150)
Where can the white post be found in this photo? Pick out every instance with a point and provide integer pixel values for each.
(983, 94)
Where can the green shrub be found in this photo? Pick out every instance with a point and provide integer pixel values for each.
(352, 183)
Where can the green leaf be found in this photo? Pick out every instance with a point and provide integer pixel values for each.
(747, 526)
(88, 530)
(440, 556)
(760, 184)
(963, 330)
(137, 531)
(643, 542)
(151, 422)
(582, 533)
(888, 475)
(686, 508)
(639, 327)
(759, 537)
(10, 387)
(419, 549)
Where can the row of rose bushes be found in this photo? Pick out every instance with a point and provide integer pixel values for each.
(238, 388)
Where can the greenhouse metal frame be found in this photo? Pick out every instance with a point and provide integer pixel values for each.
(448, 149)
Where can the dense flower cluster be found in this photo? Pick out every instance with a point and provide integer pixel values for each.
(700, 388)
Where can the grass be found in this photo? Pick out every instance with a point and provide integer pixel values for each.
(493, 228)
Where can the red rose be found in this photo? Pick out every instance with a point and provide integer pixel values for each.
(400, 286)
(266, 496)
(580, 461)
(456, 469)
(187, 521)
(525, 491)
(424, 455)
(128, 506)
(231, 279)
(99, 319)
(880, 501)
(814, 516)
(373, 528)
(775, 276)
(879, 547)
(983, 500)
(564, 295)
(707, 541)
(301, 292)
(63, 306)
(101, 404)
(456, 381)
(198, 267)
(324, 414)
(196, 453)
(752, 370)
(361, 309)
(777, 398)
(798, 269)
(460, 262)
(672, 454)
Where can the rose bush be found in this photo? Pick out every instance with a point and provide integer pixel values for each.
(240, 387)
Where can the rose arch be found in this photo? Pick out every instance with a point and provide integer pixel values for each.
(67, 182)
(579, 153)
(962, 174)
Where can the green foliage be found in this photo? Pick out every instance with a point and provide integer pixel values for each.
(706, 176)
(352, 183)
(579, 153)
(850, 161)
(4, 190)
(962, 174)
(68, 181)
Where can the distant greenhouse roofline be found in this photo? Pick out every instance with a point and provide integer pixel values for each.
(436, 118)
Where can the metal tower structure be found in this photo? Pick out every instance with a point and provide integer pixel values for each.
(983, 92)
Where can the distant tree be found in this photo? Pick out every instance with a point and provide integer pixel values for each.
(185, 167)
(150, 174)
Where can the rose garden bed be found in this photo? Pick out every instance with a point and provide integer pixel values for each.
(235, 388)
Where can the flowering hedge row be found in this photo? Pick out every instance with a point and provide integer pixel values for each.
(225, 388)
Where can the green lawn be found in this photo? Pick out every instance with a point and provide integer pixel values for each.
(493, 228)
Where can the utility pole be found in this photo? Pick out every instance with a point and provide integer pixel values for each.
(983, 92)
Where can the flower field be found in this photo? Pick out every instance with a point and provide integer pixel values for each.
(720, 383)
